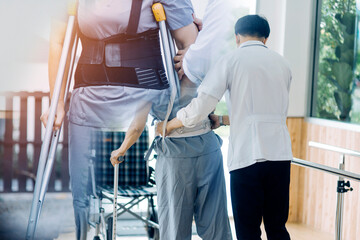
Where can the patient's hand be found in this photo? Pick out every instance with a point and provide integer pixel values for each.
(178, 59)
(115, 156)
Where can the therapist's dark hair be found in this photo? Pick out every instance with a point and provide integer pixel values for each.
(253, 25)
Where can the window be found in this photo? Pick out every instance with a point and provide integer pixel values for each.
(336, 92)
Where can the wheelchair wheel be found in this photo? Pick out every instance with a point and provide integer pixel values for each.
(153, 233)
(109, 229)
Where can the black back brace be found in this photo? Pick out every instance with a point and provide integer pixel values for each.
(126, 59)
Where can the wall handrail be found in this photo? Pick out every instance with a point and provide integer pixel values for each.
(342, 186)
(331, 170)
(334, 149)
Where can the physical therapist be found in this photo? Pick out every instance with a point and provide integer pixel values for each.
(258, 81)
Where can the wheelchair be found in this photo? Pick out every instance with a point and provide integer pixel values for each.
(135, 183)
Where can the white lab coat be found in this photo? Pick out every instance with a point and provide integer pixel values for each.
(211, 42)
(258, 80)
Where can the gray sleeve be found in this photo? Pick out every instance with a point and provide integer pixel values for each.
(178, 13)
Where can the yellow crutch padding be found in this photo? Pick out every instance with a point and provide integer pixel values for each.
(159, 12)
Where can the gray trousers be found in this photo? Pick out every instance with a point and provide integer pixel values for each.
(79, 155)
(190, 183)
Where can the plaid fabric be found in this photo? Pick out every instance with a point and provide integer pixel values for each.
(134, 171)
(128, 191)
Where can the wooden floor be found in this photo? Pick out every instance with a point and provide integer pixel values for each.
(297, 232)
(302, 232)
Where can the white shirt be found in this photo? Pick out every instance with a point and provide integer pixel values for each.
(258, 81)
(211, 42)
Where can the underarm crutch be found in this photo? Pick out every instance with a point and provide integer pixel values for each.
(169, 54)
(47, 154)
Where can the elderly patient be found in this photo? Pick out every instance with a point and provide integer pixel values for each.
(258, 81)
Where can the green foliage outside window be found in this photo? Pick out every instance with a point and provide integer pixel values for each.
(337, 73)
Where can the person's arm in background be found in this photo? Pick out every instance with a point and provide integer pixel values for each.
(210, 44)
(185, 36)
(198, 109)
(180, 20)
(132, 134)
(210, 91)
(57, 35)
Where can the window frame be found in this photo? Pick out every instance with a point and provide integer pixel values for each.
(315, 59)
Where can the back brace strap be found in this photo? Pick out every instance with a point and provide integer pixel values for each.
(134, 17)
(123, 50)
(133, 61)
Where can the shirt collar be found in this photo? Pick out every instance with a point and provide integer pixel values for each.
(252, 43)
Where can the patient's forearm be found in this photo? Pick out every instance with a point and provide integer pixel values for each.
(136, 128)
(57, 35)
(132, 135)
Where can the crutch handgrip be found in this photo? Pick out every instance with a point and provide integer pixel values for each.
(159, 12)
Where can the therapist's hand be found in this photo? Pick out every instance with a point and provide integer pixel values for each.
(178, 59)
(214, 119)
(159, 129)
(114, 159)
(170, 126)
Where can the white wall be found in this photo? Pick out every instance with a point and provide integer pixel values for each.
(291, 23)
(274, 11)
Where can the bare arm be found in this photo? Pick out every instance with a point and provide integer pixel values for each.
(178, 59)
(184, 37)
(57, 35)
(170, 126)
(176, 123)
(132, 135)
(197, 111)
